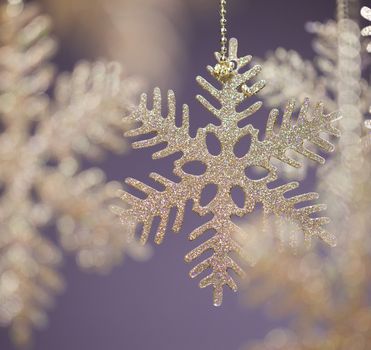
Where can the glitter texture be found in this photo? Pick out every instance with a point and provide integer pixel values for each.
(226, 170)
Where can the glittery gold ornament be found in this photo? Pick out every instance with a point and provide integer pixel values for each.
(226, 170)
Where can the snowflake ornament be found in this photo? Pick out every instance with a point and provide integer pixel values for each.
(226, 170)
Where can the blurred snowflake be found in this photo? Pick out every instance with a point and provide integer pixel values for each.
(326, 293)
(323, 294)
(292, 76)
(284, 339)
(42, 141)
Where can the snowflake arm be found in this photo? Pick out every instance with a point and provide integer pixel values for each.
(176, 138)
(220, 261)
(76, 126)
(290, 76)
(275, 202)
(29, 279)
(276, 144)
(25, 73)
(157, 204)
(293, 136)
(93, 239)
(236, 86)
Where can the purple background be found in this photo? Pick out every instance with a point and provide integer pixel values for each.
(156, 305)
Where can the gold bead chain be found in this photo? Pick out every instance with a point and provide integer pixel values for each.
(223, 30)
(223, 70)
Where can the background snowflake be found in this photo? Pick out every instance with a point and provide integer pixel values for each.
(42, 142)
(326, 293)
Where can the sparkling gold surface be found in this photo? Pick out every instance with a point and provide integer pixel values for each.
(226, 170)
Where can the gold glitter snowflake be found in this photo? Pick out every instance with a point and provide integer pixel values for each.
(225, 169)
